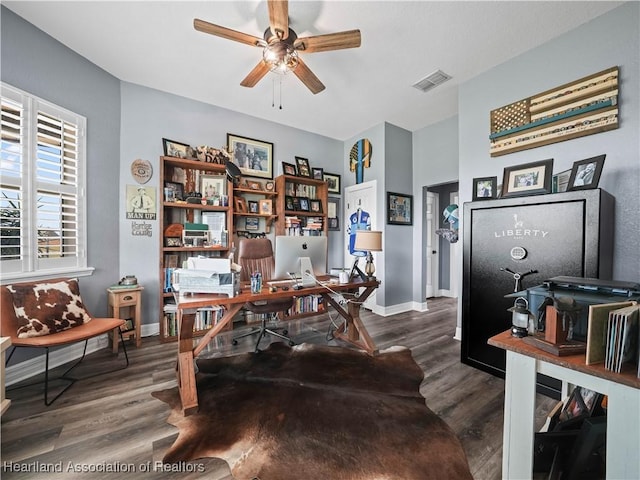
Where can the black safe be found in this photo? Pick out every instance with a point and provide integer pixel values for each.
(513, 243)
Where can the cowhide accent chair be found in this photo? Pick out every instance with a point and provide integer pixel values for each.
(48, 314)
(256, 255)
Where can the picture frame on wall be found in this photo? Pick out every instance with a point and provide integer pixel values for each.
(302, 166)
(251, 223)
(585, 174)
(289, 169)
(527, 179)
(333, 182)
(485, 188)
(333, 209)
(253, 157)
(399, 209)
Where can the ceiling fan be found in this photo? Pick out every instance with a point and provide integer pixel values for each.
(281, 46)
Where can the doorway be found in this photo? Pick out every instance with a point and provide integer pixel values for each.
(441, 255)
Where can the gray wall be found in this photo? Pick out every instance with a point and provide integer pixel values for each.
(149, 115)
(435, 162)
(36, 63)
(610, 40)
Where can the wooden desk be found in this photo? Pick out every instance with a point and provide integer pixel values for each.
(623, 412)
(352, 330)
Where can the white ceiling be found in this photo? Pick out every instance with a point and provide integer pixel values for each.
(154, 44)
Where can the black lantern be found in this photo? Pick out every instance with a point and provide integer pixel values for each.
(520, 316)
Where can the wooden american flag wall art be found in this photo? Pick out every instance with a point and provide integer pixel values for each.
(576, 109)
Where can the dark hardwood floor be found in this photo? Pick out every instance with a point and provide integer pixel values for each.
(112, 422)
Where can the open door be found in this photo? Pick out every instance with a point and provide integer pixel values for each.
(432, 255)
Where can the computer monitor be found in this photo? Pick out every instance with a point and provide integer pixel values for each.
(291, 250)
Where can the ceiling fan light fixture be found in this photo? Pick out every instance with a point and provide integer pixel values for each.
(280, 57)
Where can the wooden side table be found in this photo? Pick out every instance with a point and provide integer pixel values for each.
(5, 342)
(126, 304)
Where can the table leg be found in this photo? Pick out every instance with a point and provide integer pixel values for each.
(353, 330)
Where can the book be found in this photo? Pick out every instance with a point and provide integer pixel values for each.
(597, 330)
(622, 338)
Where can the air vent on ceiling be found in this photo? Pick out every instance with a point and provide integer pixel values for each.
(432, 80)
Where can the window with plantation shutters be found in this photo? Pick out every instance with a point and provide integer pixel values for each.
(42, 205)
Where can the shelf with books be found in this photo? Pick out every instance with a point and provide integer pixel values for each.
(301, 206)
(196, 218)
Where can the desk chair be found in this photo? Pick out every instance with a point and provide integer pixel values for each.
(256, 255)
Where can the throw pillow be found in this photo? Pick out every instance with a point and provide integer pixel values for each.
(48, 307)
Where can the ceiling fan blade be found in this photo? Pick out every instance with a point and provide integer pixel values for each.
(330, 41)
(279, 18)
(227, 33)
(255, 75)
(308, 77)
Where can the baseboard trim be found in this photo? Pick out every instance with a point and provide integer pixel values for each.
(458, 335)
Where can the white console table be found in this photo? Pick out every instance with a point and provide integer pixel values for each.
(623, 412)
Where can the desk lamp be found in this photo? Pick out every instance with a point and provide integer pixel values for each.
(369, 241)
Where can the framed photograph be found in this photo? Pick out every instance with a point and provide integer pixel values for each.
(585, 174)
(315, 206)
(333, 182)
(317, 173)
(266, 206)
(269, 186)
(254, 185)
(176, 189)
(560, 181)
(399, 209)
(302, 166)
(581, 403)
(240, 204)
(288, 203)
(253, 157)
(176, 149)
(253, 206)
(485, 188)
(251, 223)
(527, 179)
(289, 169)
(304, 204)
(296, 203)
(172, 242)
(213, 185)
(333, 209)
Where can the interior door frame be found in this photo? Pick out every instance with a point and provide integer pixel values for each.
(432, 259)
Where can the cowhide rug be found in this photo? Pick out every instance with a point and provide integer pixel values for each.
(316, 412)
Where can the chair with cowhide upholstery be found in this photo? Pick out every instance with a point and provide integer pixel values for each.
(48, 314)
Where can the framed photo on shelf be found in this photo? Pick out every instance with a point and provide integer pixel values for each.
(176, 188)
(296, 203)
(303, 168)
(527, 179)
(317, 173)
(213, 185)
(288, 203)
(560, 181)
(240, 204)
(253, 206)
(251, 223)
(315, 206)
(176, 149)
(485, 188)
(266, 206)
(585, 174)
(269, 186)
(254, 185)
(399, 209)
(289, 169)
(333, 182)
(304, 204)
(253, 157)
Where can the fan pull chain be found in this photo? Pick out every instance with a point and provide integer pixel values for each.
(280, 93)
(273, 92)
